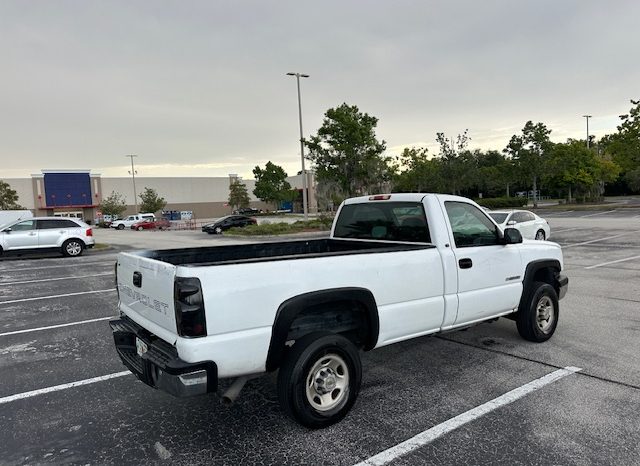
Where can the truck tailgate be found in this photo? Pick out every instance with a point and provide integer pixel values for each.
(145, 288)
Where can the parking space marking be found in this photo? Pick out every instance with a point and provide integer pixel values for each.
(55, 279)
(612, 262)
(75, 264)
(564, 230)
(438, 431)
(596, 240)
(64, 386)
(559, 213)
(598, 213)
(13, 301)
(48, 327)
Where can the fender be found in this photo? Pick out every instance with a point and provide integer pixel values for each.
(530, 272)
(291, 308)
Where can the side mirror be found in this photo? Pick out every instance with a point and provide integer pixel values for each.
(512, 236)
(510, 223)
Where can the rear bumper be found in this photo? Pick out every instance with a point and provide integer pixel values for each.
(160, 367)
(563, 285)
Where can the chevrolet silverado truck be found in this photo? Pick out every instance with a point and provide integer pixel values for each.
(395, 267)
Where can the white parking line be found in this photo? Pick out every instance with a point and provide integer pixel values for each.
(64, 386)
(74, 264)
(55, 279)
(55, 296)
(16, 332)
(564, 230)
(559, 213)
(612, 262)
(435, 432)
(598, 213)
(596, 240)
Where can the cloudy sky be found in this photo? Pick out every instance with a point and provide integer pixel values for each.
(198, 88)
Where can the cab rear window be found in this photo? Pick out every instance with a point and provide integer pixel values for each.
(391, 221)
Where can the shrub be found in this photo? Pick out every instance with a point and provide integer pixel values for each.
(502, 202)
(280, 228)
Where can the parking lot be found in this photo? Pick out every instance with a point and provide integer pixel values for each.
(65, 397)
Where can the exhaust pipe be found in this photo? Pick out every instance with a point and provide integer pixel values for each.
(232, 393)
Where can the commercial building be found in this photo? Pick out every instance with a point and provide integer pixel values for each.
(78, 193)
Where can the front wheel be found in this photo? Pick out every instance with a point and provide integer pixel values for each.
(540, 236)
(121, 227)
(218, 231)
(72, 247)
(140, 228)
(319, 379)
(537, 318)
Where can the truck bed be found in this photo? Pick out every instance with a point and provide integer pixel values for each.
(262, 252)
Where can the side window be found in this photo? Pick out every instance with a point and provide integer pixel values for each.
(527, 216)
(517, 217)
(25, 225)
(470, 225)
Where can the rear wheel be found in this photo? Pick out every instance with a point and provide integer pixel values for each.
(319, 379)
(72, 247)
(538, 318)
(140, 228)
(540, 236)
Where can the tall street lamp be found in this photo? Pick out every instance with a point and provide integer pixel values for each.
(304, 173)
(587, 117)
(133, 176)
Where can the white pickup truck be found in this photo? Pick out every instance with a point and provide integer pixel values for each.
(396, 266)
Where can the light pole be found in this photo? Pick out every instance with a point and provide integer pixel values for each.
(587, 117)
(133, 176)
(304, 173)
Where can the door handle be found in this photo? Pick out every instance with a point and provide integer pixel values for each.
(465, 263)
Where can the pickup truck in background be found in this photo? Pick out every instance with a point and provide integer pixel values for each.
(395, 267)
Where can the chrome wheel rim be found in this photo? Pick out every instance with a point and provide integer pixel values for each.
(545, 314)
(74, 248)
(218, 230)
(540, 235)
(327, 383)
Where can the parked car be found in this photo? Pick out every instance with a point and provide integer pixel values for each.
(396, 267)
(68, 235)
(247, 211)
(160, 224)
(530, 225)
(130, 220)
(230, 221)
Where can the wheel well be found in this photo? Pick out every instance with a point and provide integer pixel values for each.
(351, 313)
(71, 239)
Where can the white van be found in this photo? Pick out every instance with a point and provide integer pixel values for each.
(10, 216)
(131, 219)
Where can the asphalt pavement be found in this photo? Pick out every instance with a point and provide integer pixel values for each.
(65, 397)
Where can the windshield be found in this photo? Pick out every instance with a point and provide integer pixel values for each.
(499, 217)
(392, 221)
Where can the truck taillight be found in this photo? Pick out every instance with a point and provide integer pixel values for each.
(189, 305)
(89, 232)
(380, 197)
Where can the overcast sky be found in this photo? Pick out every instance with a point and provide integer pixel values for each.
(199, 88)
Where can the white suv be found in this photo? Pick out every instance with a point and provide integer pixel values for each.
(130, 220)
(68, 235)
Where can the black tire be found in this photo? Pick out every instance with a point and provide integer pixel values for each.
(121, 227)
(530, 318)
(72, 248)
(540, 235)
(306, 358)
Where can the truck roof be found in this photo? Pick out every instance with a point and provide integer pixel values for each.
(401, 197)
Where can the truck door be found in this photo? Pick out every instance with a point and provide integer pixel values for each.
(489, 280)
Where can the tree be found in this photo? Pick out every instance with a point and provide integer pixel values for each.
(151, 202)
(416, 172)
(347, 152)
(238, 195)
(457, 162)
(624, 146)
(113, 205)
(271, 184)
(8, 197)
(529, 151)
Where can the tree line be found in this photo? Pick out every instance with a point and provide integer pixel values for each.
(350, 160)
